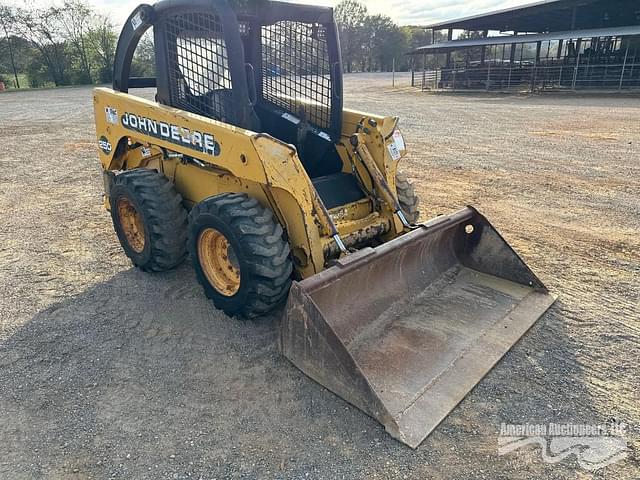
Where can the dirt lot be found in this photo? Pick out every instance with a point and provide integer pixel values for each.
(106, 372)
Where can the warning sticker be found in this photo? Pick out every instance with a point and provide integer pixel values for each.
(112, 115)
(393, 151)
(398, 140)
(324, 135)
(136, 21)
(291, 118)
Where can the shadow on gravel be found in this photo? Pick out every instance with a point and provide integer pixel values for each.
(140, 377)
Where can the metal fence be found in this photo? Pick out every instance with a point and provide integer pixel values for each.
(499, 77)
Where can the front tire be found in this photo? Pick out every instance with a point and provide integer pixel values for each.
(149, 219)
(239, 254)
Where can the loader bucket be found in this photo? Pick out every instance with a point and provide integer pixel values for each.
(405, 330)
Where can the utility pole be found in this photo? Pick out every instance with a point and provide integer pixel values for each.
(393, 73)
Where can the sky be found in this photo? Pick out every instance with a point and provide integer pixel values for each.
(403, 12)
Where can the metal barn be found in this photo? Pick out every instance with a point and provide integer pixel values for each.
(548, 45)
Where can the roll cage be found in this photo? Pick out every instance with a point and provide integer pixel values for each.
(261, 65)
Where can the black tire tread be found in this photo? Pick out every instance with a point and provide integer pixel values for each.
(164, 215)
(261, 236)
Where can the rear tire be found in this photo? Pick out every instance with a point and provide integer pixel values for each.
(239, 254)
(149, 219)
(407, 198)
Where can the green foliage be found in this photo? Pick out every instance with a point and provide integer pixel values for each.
(103, 40)
(386, 42)
(75, 21)
(22, 53)
(143, 63)
(373, 42)
(72, 44)
(351, 17)
(37, 73)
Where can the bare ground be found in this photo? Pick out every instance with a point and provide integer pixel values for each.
(106, 372)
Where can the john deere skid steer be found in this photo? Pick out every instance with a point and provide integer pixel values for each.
(248, 162)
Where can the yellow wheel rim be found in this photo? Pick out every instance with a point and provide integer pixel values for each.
(131, 223)
(219, 262)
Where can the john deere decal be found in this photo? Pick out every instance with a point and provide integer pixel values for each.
(199, 141)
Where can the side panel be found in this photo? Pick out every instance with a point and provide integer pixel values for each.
(225, 152)
(121, 115)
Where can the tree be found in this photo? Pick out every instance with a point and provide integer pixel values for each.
(418, 37)
(37, 72)
(470, 54)
(386, 41)
(40, 29)
(7, 22)
(103, 40)
(63, 44)
(143, 63)
(351, 17)
(369, 42)
(75, 20)
(72, 43)
(23, 55)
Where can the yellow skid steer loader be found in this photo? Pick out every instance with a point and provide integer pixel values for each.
(247, 161)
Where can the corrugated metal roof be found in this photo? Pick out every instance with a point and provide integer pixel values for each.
(502, 11)
(530, 38)
(551, 16)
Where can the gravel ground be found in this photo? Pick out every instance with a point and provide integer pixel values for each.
(107, 372)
